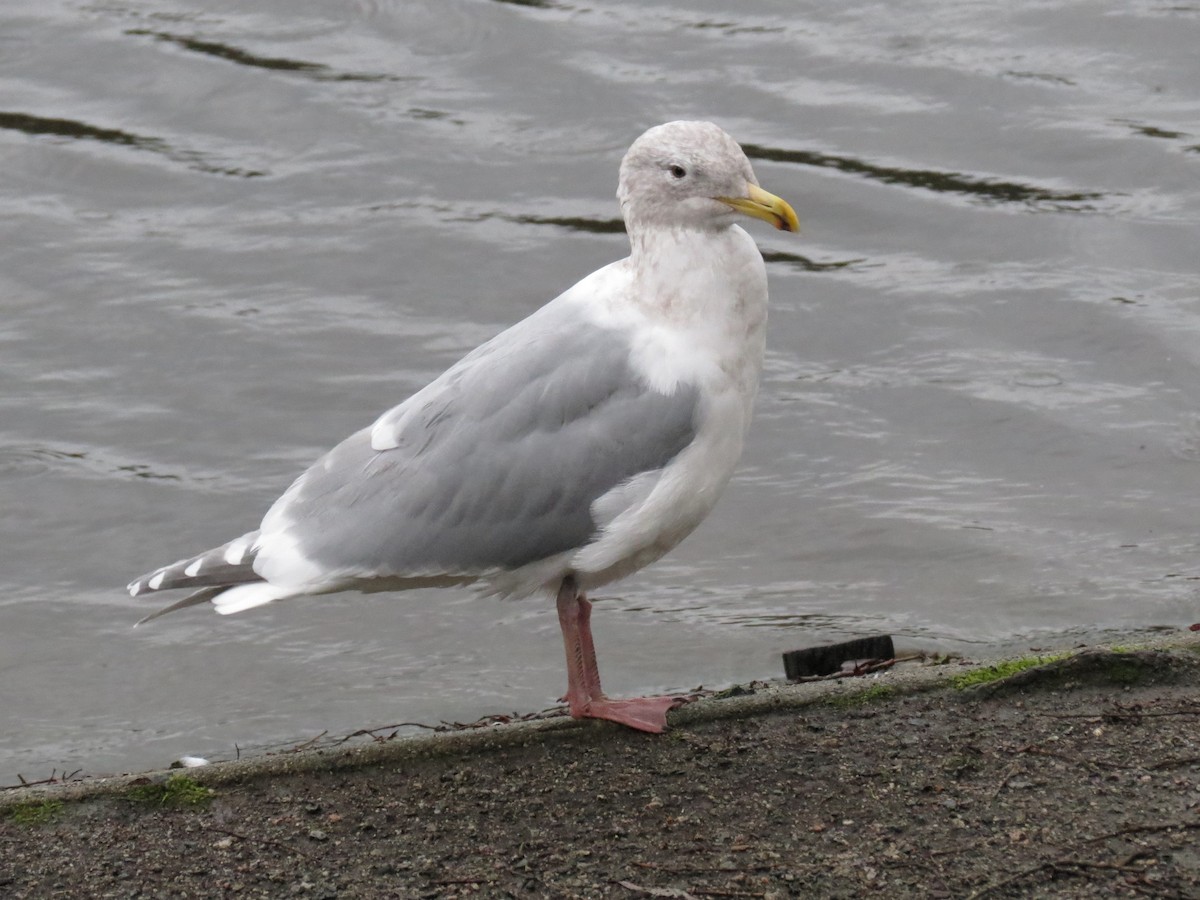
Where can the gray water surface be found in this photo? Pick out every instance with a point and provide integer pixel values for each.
(232, 233)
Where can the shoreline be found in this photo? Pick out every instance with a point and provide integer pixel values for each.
(1081, 772)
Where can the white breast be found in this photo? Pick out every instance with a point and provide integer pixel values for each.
(701, 321)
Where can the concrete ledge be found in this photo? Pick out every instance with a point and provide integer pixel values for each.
(1176, 650)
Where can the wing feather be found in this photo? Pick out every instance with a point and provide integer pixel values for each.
(494, 465)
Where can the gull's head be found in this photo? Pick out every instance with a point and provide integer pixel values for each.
(693, 175)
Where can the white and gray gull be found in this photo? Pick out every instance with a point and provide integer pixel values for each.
(571, 450)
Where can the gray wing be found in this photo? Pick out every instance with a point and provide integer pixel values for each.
(494, 465)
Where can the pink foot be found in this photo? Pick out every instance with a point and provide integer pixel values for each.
(642, 713)
(584, 696)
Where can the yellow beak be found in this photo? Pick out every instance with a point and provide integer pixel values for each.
(766, 206)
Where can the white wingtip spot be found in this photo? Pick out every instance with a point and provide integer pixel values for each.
(194, 569)
(134, 588)
(156, 582)
(236, 552)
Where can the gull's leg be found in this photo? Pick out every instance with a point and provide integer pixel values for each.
(584, 696)
(591, 668)
(568, 621)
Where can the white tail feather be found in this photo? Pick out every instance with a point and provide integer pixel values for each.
(247, 596)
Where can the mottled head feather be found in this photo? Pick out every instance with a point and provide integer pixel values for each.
(672, 173)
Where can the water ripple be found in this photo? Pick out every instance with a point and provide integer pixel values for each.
(573, 223)
(986, 189)
(41, 126)
(24, 460)
(536, 4)
(805, 264)
(317, 71)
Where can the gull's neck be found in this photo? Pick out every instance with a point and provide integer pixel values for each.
(703, 295)
(647, 240)
(702, 274)
(708, 289)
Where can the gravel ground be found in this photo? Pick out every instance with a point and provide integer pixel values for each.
(1077, 778)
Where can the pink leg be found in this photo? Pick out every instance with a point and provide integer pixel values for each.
(584, 695)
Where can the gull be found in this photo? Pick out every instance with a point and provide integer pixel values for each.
(569, 451)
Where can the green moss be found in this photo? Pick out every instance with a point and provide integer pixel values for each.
(872, 694)
(988, 674)
(35, 813)
(178, 790)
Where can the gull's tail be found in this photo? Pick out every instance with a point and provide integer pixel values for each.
(225, 575)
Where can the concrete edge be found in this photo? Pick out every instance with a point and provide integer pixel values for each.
(901, 680)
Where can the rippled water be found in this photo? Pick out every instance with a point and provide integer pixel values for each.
(233, 233)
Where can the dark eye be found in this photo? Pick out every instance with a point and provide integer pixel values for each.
(678, 171)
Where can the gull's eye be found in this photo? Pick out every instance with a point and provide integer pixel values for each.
(678, 171)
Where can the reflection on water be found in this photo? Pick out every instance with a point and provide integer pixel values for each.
(977, 428)
(802, 262)
(316, 71)
(40, 125)
(988, 189)
(575, 223)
